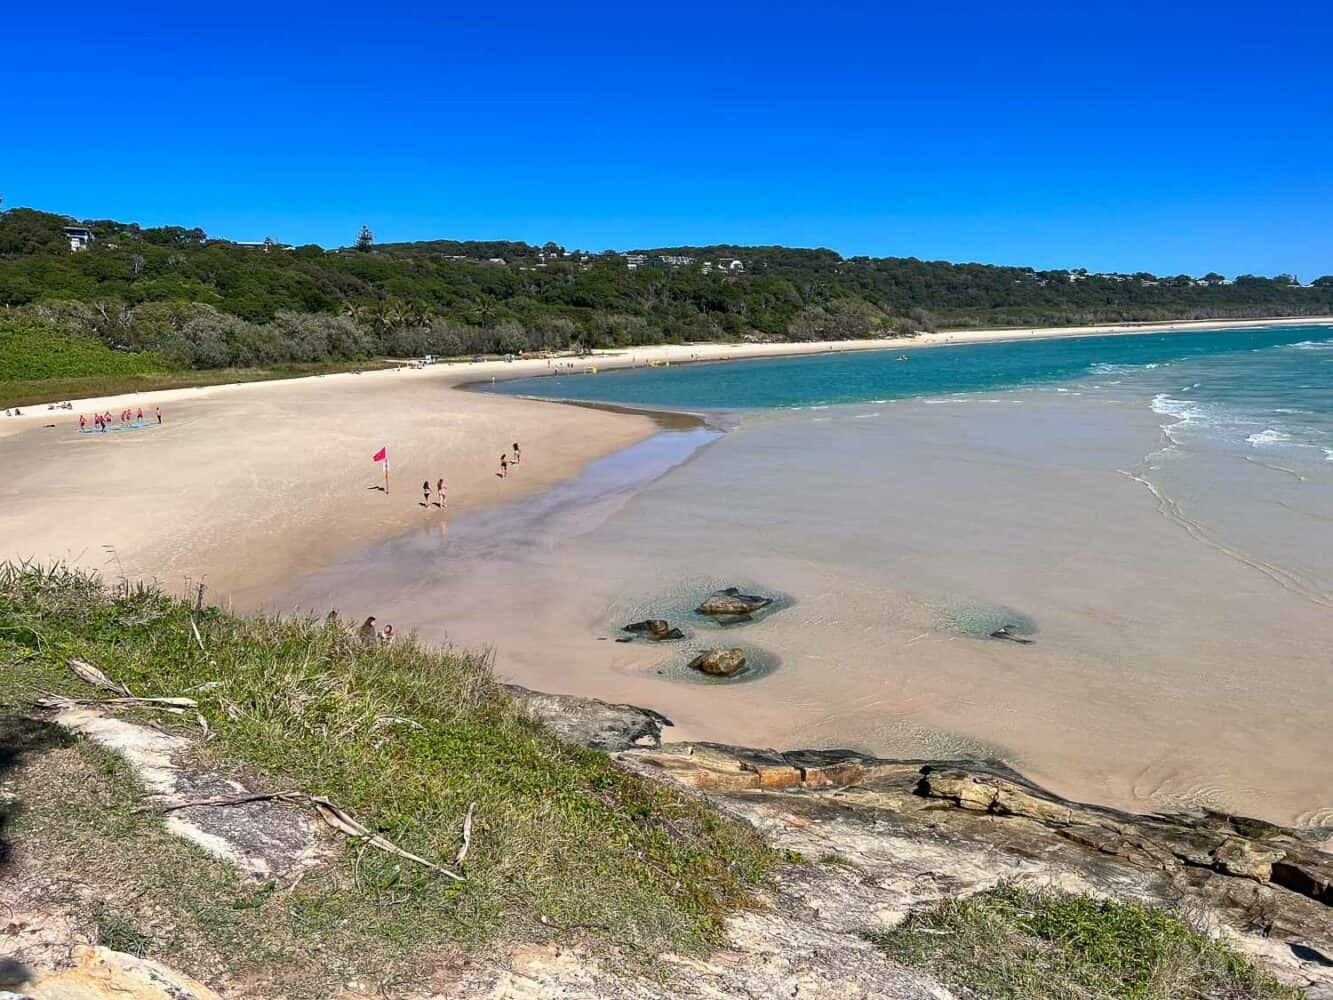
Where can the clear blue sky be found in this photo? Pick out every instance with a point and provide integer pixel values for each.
(1171, 137)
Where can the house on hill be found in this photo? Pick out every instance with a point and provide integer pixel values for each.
(79, 237)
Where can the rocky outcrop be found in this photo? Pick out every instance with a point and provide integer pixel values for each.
(719, 662)
(592, 722)
(103, 974)
(919, 831)
(732, 602)
(265, 839)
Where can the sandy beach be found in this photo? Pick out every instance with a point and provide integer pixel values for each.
(247, 485)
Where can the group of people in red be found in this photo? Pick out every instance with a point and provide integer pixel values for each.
(103, 421)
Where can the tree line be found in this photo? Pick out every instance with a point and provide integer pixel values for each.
(206, 303)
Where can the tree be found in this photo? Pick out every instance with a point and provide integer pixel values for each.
(1325, 282)
(1213, 278)
(365, 239)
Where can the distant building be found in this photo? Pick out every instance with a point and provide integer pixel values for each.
(633, 260)
(675, 261)
(78, 236)
(266, 244)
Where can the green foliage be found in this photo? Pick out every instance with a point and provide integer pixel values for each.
(1015, 944)
(404, 738)
(450, 297)
(31, 349)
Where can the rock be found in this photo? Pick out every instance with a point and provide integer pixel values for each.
(732, 602)
(920, 832)
(655, 628)
(719, 662)
(103, 974)
(591, 722)
(1245, 859)
(263, 839)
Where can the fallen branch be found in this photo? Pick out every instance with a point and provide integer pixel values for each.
(467, 835)
(195, 629)
(176, 706)
(343, 823)
(226, 800)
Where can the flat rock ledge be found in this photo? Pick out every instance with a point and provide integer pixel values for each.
(262, 839)
(918, 831)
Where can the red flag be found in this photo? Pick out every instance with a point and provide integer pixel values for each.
(382, 455)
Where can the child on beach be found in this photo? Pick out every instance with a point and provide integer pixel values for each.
(159, 414)
(504, 465)
(517, 453)
(386, 636)
(139, 415)
(83, 421)
(442, 492)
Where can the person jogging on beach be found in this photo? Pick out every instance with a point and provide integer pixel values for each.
(517, 454)
(504, 465)
(442, 492)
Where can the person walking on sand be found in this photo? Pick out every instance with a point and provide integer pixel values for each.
(425, 493)
(159, 414)
(504, 465)
(83, 422)
(139, 415)
(442, 492)
(517, 454)
(367, 633)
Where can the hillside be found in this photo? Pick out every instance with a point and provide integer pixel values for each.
(204, 303)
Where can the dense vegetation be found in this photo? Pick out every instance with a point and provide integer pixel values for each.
(564, 844)
(1014, 944)
(206, 303)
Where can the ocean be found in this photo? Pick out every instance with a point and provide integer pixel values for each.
(1151, 513)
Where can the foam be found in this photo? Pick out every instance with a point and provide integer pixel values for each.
(1268, 436)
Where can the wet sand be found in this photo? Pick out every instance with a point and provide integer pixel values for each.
(1163, 674)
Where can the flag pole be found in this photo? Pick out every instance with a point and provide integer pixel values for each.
(386, 475)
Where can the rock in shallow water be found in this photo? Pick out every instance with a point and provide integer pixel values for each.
(719, 662)
(655, 628)
(732, 602)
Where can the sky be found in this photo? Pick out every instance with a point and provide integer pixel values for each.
(1172, 138)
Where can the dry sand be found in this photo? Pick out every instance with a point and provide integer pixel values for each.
(245, 485)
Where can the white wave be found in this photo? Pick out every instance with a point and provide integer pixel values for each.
(1268, 436)
(1184, 410)
(1313, 345)
(1328, 454)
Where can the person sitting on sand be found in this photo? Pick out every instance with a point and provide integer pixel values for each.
(504, 465)
(517, 453)
(367, 632)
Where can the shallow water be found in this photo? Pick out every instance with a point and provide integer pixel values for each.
(1167, 556)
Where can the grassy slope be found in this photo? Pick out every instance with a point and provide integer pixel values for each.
(31, 352)
(1010, 944)
(562, 838)
(89, 386)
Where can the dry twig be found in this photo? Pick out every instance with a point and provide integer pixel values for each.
(467, 835)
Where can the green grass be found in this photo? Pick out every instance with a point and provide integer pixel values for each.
(1013, 944)
(87, 386)
(563, 841)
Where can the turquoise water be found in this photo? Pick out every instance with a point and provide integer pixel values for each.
(1257, 370)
